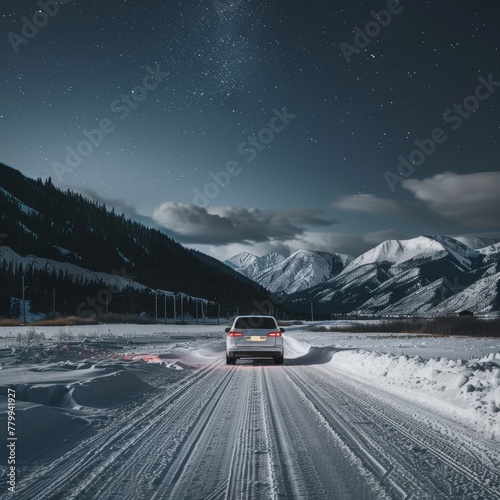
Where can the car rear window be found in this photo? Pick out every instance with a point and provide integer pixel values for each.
(256, 322)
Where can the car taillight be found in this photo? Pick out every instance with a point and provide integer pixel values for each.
(274, 334)
(235, 334)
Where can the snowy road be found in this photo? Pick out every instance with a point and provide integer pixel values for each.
(259, 431)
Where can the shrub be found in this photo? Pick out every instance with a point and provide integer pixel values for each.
(30, 338)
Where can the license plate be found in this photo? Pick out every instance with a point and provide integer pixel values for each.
(254, 338)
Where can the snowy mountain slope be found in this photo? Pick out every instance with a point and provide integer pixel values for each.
(483, 296)
(420, 301)
(303, 269)
(41, 219)
(77, 273)
(391, 291)
(402, 277)
(417, 250)
(463, 255)
(476, 242)
(261, 265)
(491, 252)
(242, 260)
(397, 252)
(344, 292)
(254, 267)
(115, 281)
(25, 208)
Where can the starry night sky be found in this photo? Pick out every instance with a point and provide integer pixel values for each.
(261, 125)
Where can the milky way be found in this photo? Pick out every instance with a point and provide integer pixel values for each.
(365, 80)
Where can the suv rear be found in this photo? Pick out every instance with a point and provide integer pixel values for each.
(254, 337)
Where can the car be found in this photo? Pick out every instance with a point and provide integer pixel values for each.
(254, 337)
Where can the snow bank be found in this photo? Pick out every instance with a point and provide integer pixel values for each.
(468, 391)
(39, 428)
(106, 391)
(56, 403)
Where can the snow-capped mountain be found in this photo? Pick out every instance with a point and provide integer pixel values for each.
(303, 269)
(396, 252)
(411, 276)
(254, 267)
(416, 251)
(424, 275)
(241, 260)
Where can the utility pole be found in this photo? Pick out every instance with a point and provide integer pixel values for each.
(156, 306)
(182, 307)
(312, 312)
(24, 303)
(218, 316)
(175, 309)
(165, 307)
(197, 311)
(54, 302)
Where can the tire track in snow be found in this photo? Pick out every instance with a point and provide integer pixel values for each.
(417, 456)
(196, 469)
(86, 464)
(250, 472)
(255, 431)
(296, 476)
(455, 465)
(310, 462)
(373, 458)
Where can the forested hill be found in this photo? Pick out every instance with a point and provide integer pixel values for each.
(40, 219)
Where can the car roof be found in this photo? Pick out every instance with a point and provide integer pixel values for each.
(255, 316)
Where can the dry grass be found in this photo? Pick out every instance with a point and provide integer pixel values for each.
(65, 321)
(10, 322)
(79, 320)
(288, 323)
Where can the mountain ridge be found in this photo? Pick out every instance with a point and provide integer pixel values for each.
(419, 275)
(39, 219)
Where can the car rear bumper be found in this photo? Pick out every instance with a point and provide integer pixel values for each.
(247, 352)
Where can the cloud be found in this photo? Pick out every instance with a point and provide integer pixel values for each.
(347, 243)
(369, 203)
(225, 225)
(470, 200)
(374, 239)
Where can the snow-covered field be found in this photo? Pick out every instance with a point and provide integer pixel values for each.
(153, 411)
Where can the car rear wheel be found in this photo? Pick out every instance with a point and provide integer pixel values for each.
(279, 361)
(230, 361)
